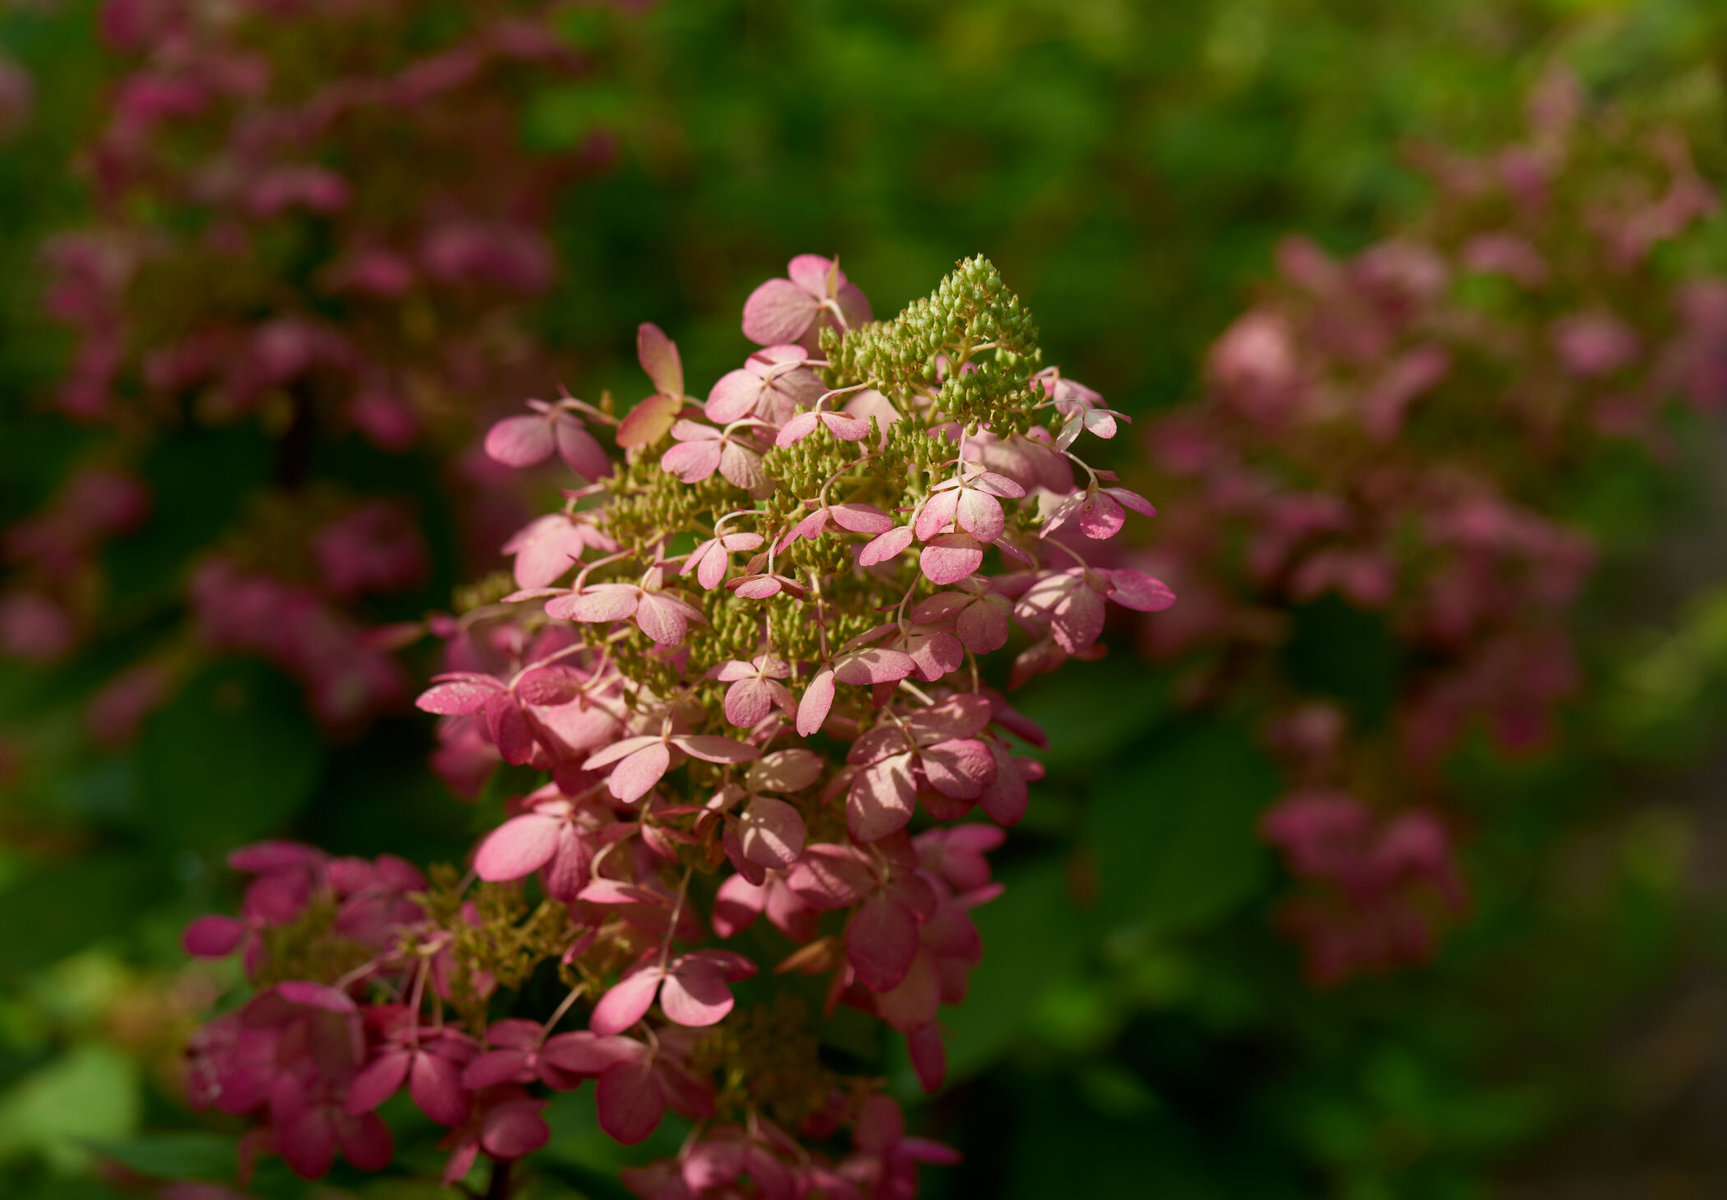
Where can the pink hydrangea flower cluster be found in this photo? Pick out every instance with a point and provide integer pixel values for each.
(1393, 429)
(750, 664)
(257, 256)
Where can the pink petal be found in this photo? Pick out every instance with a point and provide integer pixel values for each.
(695, 994)
(959, 768)
(626, 1003)
(517, 848)
(860, 518)
(658, 355)
(603, 602)
(881, 799)
(736, 904)
(758, 587)
(846, 427)
(796, 429)
(580, 452)
(636, 775)
(772, 832)
(692, 462)
(928, 1055)
(983, 627)
(950, 558)
(212, 937)
(617, 751)
(936, 653)
(777, 312)
(1137, 590)
(1004, 798)
(520, 441)
(459, 697)
(549, 687)
(874, 664)
(1100, 517)
(630, 1101)
(496, 1066)
(811, 272)
(663, 618)
(881, 941)
(742, 467)
(818, 699)
(435, 1083)
(937, 513)
(784, 771)
(366, 1142)
(980, 515)
(829, 876)
(515, 1130)
(648, 421)
(586, 1053)
(377, 1081)
(1078, 620)
(748, 702)
(710, 748)
(1132, 500)
(734, 397)
(887, 547)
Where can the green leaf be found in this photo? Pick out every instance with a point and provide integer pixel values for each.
(1173, 841)
(1033, 938)
(90, 1093)
(57, 909)
(172, 1155)
(232, 758)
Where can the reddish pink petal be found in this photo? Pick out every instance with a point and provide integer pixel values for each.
(459, 697)
(497, 1066)
(796, 429)
(928, 1056)
(880, 1127)
(736, 904)
(648, 421)
(663, 618)
(916, 999)
(212, 937)
(1004, 798)
(983, 626)
(695, 994)
(734, 397)
(887, 547)
(784, 771)
(580, 452)
(617, 751)
(861, 518)
(692, 462)
(874, 664)
(710, 748)
(658, 355)
(881, 798)
(748, 702)
(937, 513)
(517, 848)
(1137, 590)
(626, 1003)
(828, 877)
(777, 312)
(1078, 620)
(435, 1083)
(950, 558)
(980, 514)
(772, 832)
(520, 441)
(630, 1101)
(585, 1053)
(636, 775)
(742, 467)
(758, 588)
(881, 941)
(600, 603)
(958, 768)
(818, 698)
(515, 1130)
(377, 1081)
(366, 1141)
(1100, 517)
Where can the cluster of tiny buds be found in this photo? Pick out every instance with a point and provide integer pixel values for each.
(743, 660)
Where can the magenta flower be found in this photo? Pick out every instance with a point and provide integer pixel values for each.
(785, 310)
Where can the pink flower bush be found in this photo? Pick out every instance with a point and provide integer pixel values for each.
(254, 259)
(1393, 430)
(756, 691)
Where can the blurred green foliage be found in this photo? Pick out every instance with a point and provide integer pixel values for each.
(1136, 1027)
